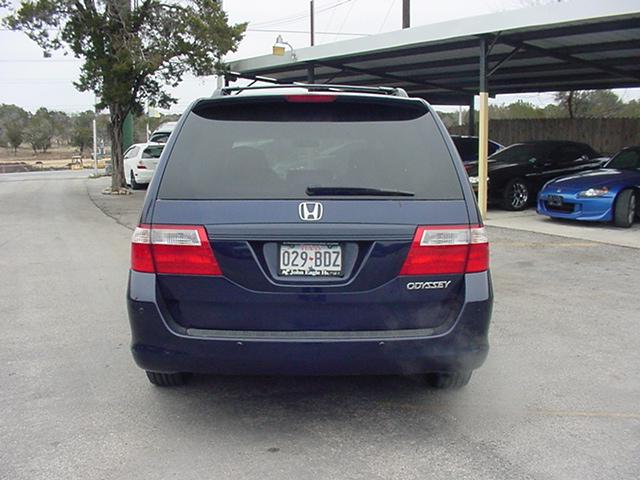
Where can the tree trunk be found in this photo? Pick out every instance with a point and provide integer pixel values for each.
(570, 103)
(117, 115)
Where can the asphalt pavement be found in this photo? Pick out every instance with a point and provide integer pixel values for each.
(558, 398)
(529, 221)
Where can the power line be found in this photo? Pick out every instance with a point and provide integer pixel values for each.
(346, 17)
(298, 16)
(386, 17)
(306, 32)
(51, 60)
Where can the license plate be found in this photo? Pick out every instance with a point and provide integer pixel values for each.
(310, 260)
(554, 200)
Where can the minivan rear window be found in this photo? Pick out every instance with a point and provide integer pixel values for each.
(273, 149)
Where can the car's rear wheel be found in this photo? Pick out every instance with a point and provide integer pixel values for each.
(625, 209)
(167, 379)
(448, 380)
(132, 181)
(516, 195)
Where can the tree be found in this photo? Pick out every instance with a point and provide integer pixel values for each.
(39, 131)
(131, 55)
(13, 120)
(603, 104)
(567, 101)
(518, 109)
(82, 130)
(62, 126)
(631, 109)
(590, 103)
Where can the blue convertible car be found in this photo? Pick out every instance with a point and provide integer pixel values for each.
(604, 195)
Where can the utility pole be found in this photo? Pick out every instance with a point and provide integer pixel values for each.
(406, 13)
(95, 138)
(312, 23)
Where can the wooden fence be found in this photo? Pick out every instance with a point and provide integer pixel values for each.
(607, 135)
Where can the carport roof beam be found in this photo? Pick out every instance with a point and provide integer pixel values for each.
(574, 60)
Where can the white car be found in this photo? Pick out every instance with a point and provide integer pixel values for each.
(140, 162)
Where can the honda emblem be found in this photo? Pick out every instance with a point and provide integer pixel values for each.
(310, 211)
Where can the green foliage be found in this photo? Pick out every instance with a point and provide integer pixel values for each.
(630, 109)
(82, 130)
(590, 103)
(140, 125)
(40, 131)
(61, 127)
(131, 55)
(13, 120)
(519, 109)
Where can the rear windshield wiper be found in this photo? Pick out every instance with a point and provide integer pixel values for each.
(362, 191)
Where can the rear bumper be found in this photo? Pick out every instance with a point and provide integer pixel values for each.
(160, 345)
(143, 175)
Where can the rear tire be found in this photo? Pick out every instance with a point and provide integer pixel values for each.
(516, 195)
(132, 180)
(625, 209)
(448, 380)
(167, 379)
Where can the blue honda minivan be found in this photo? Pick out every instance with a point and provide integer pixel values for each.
(310, 230)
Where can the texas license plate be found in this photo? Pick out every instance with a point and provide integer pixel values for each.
(310, 259)
(554, 200)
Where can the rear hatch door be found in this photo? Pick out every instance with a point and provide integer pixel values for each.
(311, 204)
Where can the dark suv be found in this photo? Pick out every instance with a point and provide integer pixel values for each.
(313, 230)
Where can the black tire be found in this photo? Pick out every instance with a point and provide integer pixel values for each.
(132, 180)
(167, 379)
(625, 209)
(448, 380)
(516, 195)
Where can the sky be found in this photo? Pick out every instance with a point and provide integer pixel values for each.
(31, 81)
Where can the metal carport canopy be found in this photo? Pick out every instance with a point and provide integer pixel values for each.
(568, 46)
(577, 45)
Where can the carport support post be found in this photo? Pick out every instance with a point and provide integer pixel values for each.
(483, 141)
(311, 74)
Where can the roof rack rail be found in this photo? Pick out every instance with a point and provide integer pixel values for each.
(321, 87)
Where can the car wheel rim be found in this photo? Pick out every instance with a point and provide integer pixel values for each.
(519, 195)
(632, 208)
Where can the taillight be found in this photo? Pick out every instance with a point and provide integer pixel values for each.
(173, 249)
(447, 250)
(311, 98)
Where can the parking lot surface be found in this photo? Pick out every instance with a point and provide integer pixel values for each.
(559, 396)
(530, 221)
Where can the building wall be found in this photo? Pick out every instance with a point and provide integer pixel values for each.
(607, 135)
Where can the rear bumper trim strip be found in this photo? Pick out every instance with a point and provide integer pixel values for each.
(312, 335)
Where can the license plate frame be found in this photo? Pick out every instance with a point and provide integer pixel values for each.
(325, 260)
